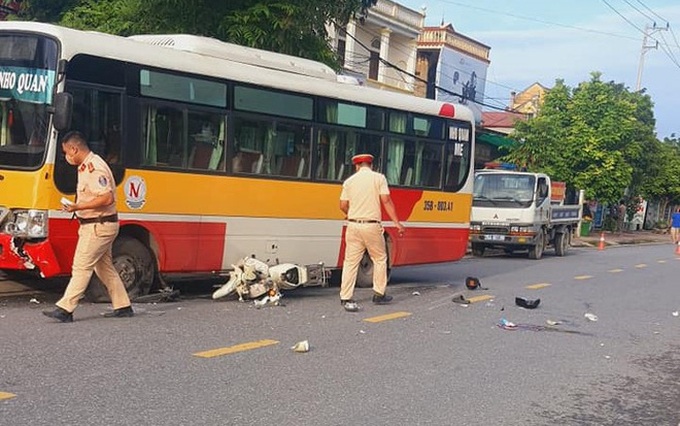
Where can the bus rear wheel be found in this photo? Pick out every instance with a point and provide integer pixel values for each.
(134, 264)
(365, 273)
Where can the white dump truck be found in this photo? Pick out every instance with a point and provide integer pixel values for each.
(521, 211)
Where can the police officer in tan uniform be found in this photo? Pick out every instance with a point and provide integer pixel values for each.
(96, 211)
(361, 197)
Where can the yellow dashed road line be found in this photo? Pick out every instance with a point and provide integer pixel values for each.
(236, 348)
(538, 286)
(615, 271)
(388, 317)
(583, 277)
(6, 395)
(480, 298)
(641, 265)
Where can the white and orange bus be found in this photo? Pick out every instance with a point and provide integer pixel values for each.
(220, 152)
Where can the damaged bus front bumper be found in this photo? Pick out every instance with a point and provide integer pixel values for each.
(22, 255)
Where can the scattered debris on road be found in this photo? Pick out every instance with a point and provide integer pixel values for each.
(34, 301)
(527, 303)
(460, 299)
(590, 317)
(301, 347)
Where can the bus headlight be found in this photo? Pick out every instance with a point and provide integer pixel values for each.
(475, 227)
(28, 224)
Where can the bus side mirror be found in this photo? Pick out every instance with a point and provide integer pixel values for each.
(63, 109)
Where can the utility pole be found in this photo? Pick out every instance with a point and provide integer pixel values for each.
(649, 31)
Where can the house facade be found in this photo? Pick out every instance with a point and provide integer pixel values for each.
(380, 51)
(453, 67)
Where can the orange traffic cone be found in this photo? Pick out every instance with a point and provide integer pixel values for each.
(601, 246)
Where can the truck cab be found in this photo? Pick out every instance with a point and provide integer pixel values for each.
(518, 211)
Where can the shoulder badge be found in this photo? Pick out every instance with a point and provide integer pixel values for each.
(103, 181)
(90, 167)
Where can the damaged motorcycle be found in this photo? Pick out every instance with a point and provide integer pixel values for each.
(252, 278)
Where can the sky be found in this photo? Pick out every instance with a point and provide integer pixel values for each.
(544, 40)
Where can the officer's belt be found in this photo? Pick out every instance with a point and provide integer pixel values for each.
(100, 219)
(363, 221)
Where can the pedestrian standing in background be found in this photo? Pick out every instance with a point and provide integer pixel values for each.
(621, 218)
(675, 226)
(360, 200)
(95, 209)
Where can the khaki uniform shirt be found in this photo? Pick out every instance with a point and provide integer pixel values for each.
(95, 179)
(363, 190)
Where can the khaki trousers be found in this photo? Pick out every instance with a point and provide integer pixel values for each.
(360, 237)
(93, 254)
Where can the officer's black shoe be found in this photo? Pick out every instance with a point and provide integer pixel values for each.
(120, 313)
(59, 314)
(381, 299)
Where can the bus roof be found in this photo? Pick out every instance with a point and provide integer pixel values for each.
(75, 42)
(236, 53)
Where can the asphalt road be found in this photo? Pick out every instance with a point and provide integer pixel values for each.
(424, 360)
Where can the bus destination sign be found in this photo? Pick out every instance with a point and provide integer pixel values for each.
(26, 84)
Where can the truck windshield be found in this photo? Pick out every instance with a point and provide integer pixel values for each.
(27, 79)
(503, 190)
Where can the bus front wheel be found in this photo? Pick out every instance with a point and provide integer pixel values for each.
(134, 264)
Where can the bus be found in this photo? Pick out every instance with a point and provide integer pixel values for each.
(220, 152)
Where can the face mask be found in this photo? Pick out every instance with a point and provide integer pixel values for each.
(70, 160)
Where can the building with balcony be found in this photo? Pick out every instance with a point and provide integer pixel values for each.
(453, 67)
(388, 35)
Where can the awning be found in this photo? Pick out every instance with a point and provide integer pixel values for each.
(496, 140)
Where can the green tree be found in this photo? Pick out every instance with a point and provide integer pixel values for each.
(589, 136)
(662, 173)
(295, 27)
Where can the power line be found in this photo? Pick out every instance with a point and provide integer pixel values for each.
(664, 44)
(653, 13)
(541, 21)
(407, 53)
(639, 11)
(391, 65)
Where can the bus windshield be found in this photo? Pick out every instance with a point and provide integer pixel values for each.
(27, 79)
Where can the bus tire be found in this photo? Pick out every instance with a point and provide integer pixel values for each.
(135, 265)
(365, 272)
(562, 242)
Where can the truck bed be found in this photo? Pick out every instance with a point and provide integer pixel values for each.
(566, 214)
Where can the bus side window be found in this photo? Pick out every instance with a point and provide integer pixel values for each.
(206, 141)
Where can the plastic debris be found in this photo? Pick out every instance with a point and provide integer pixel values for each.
(553, 322)
(35, 301)
(460, 299)
(590, 317)
(416, 293)
(507, 325)
(301, 347)
(527, 303)
(274, 300)
(675, 314)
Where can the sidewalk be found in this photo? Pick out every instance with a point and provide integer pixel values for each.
(627, 237)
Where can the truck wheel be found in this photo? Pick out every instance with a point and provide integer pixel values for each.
(478, 250)
(562, 242)
(134, 264)
(536, 252)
